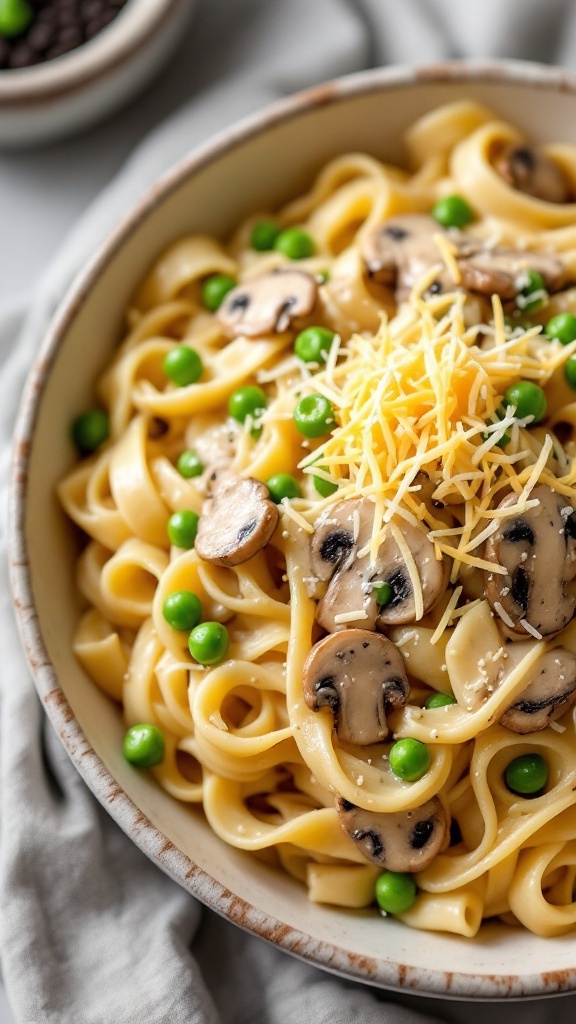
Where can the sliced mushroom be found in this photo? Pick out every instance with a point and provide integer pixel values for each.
(538, 550)
(403, 249)
(340, 533)
(528, 170)
(238, 519)
(500, 271)
(401, 841)
(550, 692)
(268, 304)
(216, 447)
(359, 675)
(433, 574)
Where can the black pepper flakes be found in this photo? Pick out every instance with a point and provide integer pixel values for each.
(57, 27)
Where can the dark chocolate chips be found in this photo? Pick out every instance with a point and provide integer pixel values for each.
(57, 27)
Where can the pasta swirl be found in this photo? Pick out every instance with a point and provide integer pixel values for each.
(371, 484)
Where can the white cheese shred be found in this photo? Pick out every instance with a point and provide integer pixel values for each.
(530, 629)
(503, 615)
(344, 617)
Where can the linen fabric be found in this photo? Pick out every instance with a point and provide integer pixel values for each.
(91, 932)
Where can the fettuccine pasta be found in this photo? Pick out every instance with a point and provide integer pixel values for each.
(365, 476)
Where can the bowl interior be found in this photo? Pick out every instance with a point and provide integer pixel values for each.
(255, 169)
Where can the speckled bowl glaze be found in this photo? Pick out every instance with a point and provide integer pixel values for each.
(269, 158)
(71, 92)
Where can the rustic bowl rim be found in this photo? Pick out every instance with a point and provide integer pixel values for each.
(377, 972)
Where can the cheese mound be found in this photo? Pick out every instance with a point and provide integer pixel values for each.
(426, 394)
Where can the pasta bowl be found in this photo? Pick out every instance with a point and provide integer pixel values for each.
(270, 159)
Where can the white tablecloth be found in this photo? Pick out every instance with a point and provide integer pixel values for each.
(65, 963)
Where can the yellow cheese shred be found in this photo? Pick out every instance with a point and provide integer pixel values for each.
(426, 394)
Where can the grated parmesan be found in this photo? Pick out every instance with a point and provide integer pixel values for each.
(344, 617)
(444, 621)
(291, 512)
(425, 394)
(530, 629)
(503, 615)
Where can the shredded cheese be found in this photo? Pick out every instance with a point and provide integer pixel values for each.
(448, 613)
(530, 629)
(425, 394)
(448, 253)
(291, 512)
(503, 614)
(557, 727)
(344, 617)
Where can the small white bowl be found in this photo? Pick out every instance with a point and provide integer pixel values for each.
(257, 164)
(71, 92)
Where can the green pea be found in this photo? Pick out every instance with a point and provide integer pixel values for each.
(143, 745)
(453, 212)
(528, 399)
(526, 775)
(295, 244)
(189, 464)
(215, 289)
(182, 610)
(395, 892)
(533, 294)
(314, 416)
(382, 592)
(263, 235)
(325, 488)
(409, 759)
(182, 365)
(182, 528)
(570, 371)
(562, 328)
(282, 485)
(247, 401)
(15, 17)
(312, 345)
(90, 430)
(208, 643)
(440, 700)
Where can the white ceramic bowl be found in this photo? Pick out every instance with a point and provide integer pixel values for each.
(71, 92)
(269, 158)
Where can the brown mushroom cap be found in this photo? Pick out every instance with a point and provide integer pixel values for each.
(361, 676)
(538, 550)
(433, 574)
(401, 841)
(238, 519)
(549, 694)
(500, 271)
(267, 304)
(400, 251)
(528, 170)
(340, 532)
